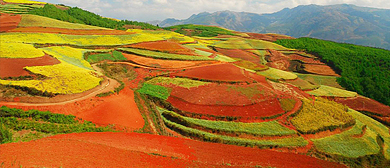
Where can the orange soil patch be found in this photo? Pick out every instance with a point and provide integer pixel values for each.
(13, 67)
(278, 60)
(223, 94)
(117, 109)
(360, 103)
(235, 53)
(304, 59)
(268, 37)
(164, 46)
(164, 64)
(218, 72)
(69, 31)
(144, 150)
(320, 70)
(268, 108)
(9, 21)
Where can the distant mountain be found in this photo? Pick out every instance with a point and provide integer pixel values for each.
(340, 23)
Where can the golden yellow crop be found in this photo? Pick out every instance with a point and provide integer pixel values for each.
(164, 35)
(70, 55)
(19, 50)
(40, 21)
(24, 2)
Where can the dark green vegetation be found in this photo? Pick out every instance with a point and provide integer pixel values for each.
(341, 23)
(364, 70)
(77, 15)
(155, 91)
(40, 124)
(114, 56)
(199, 30)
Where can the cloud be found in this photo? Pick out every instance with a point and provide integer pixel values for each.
(146, 10)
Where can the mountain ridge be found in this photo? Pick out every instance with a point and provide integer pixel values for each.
(341, 23)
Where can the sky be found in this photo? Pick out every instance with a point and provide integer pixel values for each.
(149, 10)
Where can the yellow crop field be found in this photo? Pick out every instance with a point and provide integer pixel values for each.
(324, 90)
(19, 50)
(70, 55)
(79, 40)
(63, 78)
(273, 73)
(24, 2)
(40, 21)
(321, 115)
(239, 43)
(164, 35)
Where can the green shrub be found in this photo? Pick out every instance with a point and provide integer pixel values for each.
(5, 134)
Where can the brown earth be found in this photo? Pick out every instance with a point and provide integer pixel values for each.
(144, 150)
(241, 54)
(320, 70)
(268, 37)
(9, 21)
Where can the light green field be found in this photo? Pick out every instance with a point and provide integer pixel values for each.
(161, 55)
(239, 43)
(70, 55)
(273, 73)
(345, 144)
(272, 128)
(324, 90)
(320, 80)
(182, 82)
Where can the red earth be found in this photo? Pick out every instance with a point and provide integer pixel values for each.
(164, 46)
(268, 37)
(235, 53)
(304, 59)
(13, 67)
(69, 31)
(278, 60)
(164, 64)
(119, 110)
(218, 72)
(268, 108)
(320, 70)
(360, 103)
(224, 94)
(9, 21)
(144, 150)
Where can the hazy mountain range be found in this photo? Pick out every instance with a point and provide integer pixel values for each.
(341, 23)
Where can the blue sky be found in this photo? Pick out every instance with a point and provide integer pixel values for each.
(147, 10)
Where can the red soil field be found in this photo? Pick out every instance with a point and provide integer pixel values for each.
(235, 53)
(258, 78)
(218, 72)
(320, 70)
(360, 103)
(268, 37)
(69, 31)
(304, 59)
(224, 94)
(164, 46)
(266, 108)
(13, 67)
(278, 60)
(9, 21)
(164, 64)
(144, 150)
(118, 109)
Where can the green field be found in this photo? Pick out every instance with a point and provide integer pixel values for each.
(182, 82)
(272, 128)
(155, 91)
(276, 74)
(113, 56)
(349, 144)
(328, 91)
(200, 30)
(241, 43)
(320, 80)
(161, 55)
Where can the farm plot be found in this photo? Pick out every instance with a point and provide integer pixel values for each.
(8, 21)
(163, 63)
(276, 74)
(164, 46)
(70, 55)
(302, 84)
(17, 8)
(360, 103)
(24, 2)
(161, 55)
(112, 56)
(356, 142)
(320, 80)
(262, 110)
(19, 50)
(250, 65)
(271, 128)
(14, 67)
(40, 21)
(321, 115)
(320, 70)
(328, 91)
(180, 82)
(307, 60)
(78, 40)
(69, 31)
(245, 44)
(164, 35)
(218, 72)
(240, 54)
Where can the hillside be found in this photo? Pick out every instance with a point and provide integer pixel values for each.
(73, 94)
(340, 23)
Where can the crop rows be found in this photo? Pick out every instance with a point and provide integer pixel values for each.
(161, 55)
